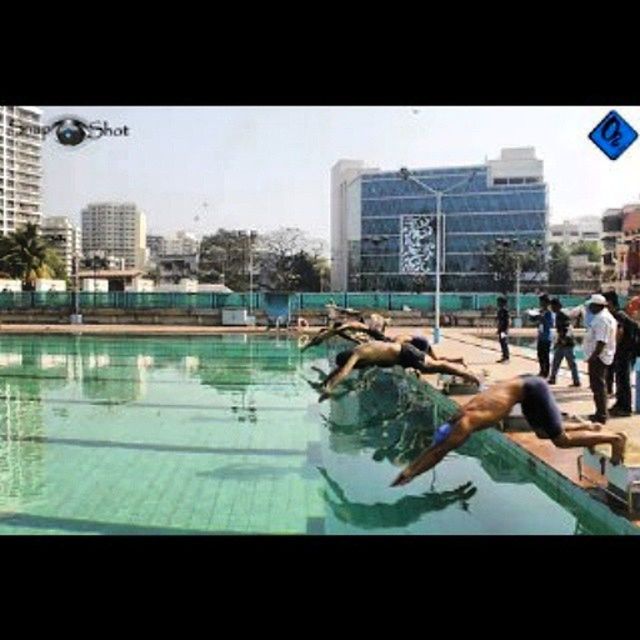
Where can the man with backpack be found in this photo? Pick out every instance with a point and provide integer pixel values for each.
(627, 337)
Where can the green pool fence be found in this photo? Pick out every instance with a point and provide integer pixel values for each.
(388, 301)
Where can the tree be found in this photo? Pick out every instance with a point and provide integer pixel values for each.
(502, 261)
(559, 273)
(591, 248)
(25, 255)
(55, 265)
(292, 261)
(224, 258)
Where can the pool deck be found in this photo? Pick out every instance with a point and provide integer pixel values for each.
(481, 350)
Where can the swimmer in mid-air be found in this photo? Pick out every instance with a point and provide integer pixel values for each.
(360, 333)
(389, 354)
(488, 408)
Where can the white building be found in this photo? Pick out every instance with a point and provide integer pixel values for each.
(20, 167)
(118, 229)
(65, 238)
(586, 228)
(345, 218)
(182, 243)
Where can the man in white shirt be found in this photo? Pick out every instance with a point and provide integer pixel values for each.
(599, 350)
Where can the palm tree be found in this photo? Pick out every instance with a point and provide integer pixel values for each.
(24, 255)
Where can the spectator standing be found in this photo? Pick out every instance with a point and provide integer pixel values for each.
(599, 350)
(625, 356)
(564, 345)
(545, 324)
(503, 328)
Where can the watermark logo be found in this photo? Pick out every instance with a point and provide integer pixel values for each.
(71, 131)
(613, 135)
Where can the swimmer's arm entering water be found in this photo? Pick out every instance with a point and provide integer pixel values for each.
(336, 377)
(428, 459)
(481, 412)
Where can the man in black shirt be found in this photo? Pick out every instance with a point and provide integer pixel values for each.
(625, 356)
(503, 328)
(564, 344)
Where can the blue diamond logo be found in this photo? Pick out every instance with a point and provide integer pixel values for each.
(613, 135)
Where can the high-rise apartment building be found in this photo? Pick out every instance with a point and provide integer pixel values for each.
(65, 238)
(20, 167)
(117, 229)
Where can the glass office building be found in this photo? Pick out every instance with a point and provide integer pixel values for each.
(384, 227)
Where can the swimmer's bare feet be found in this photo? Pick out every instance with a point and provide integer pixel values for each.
(618, 448)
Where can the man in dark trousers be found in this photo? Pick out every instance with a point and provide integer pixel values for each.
(503, 328)
(624, 358)
(599, 350)
(545, 324)
(564, 344)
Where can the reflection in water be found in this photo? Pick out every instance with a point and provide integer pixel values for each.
(386, 412)
(21, 462)
(393, 415)
(107, 370)
(403, 512)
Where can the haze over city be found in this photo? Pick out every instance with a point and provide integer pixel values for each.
(263, 167)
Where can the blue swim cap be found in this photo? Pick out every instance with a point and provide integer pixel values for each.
(442, 433)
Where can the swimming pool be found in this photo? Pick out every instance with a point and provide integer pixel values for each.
(224, 434)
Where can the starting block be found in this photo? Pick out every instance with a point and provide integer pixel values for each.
(623, 480)
(456, 386)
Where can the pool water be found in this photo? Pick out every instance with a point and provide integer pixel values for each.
(224, 434)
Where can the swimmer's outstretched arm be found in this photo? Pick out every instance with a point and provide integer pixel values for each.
(434, 454)
(336, 377)
(342, 330)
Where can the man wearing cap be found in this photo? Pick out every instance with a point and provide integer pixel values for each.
(599, 350)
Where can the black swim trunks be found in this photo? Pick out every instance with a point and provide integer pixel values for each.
(420, 342)
(411, 357)
(539, 407)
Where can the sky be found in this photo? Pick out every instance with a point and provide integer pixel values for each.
(265, 167)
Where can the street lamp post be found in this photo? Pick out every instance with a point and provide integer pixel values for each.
(405, 174)
(251, 272)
